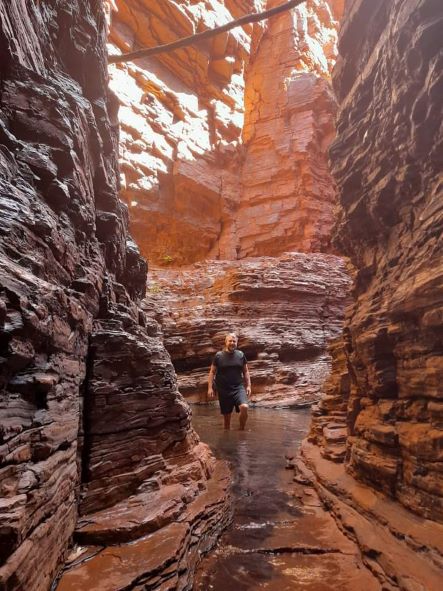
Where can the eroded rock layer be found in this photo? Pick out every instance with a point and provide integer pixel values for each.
(181, 118)
(284, 310)
(287, 193)
(91, 419)
(224, 144)
(382, 414)
(224, 156)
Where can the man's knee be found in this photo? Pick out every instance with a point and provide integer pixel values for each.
(244, 409)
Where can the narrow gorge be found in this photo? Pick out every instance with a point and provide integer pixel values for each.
(281, 180)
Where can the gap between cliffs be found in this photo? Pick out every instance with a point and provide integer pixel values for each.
(225, 185)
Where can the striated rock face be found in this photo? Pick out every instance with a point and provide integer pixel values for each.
(395, 339)
(382, 410)
(284, 310)
(287, 192)
(58, 192)
(91, 419)
(227, 160)
(200, 181)
(181, 117)
(183, 529)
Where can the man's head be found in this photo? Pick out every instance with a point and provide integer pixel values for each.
(231, 342)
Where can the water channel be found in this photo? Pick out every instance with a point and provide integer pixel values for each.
(261, 492)
(281, 538)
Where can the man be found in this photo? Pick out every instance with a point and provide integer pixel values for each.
(231, 378)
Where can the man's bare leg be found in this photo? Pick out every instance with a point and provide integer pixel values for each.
(243, 416)
(227, 421)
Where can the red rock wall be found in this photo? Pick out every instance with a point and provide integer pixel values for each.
(181, 117)
(200, 181)
(284, 310)
(288, 194)
(90, 412)
(229, 161)
(390, 224)
(382, 411)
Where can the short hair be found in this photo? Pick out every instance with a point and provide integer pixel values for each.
(231, 334)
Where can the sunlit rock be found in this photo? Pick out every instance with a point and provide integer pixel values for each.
(234, 147)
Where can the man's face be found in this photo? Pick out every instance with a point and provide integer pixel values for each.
(231, 342)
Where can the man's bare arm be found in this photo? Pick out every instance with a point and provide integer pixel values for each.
(210, 381)
(247, 378)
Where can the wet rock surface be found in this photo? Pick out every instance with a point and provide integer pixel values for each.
(91, 417)
(401, 549)
(284, 310)
(381, 414)
(281, 537)
(95, 440)
(165, 559)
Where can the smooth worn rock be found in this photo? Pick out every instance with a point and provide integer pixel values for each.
(403, 550)
(385, 485)
(89, 407)
(284, 310)
(162, 560)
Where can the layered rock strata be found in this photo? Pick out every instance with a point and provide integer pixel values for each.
(91, 419)
(228, 160)
(284, 310)
(224, 145)
(164, 559)
(382, 411)
(181, 117)
(287, 192)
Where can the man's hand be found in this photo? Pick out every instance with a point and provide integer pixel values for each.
(247, 380)
(211, 394)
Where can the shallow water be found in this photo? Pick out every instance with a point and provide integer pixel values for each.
(265, 513)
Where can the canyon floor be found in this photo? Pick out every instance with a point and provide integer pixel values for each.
(281, 538)
(282, 181)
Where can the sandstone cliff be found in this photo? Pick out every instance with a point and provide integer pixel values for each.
(91, 419)
(382, 411)
(224, 145)
(227, 160)
(285, 311)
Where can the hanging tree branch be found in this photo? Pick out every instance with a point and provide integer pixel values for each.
(185, 41)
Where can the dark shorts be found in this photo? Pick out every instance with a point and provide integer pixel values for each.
(232, 399)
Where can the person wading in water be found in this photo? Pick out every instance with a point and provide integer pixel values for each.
(232, 381)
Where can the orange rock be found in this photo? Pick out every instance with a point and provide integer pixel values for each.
(182, 131)
(386, 383)
(284, 310)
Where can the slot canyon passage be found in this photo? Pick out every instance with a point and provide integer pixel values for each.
(283, 179)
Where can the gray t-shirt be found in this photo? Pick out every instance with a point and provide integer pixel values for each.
(229, 366)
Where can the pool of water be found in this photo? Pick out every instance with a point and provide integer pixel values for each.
(261, 489)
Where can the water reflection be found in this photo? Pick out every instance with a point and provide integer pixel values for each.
(261, 492)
